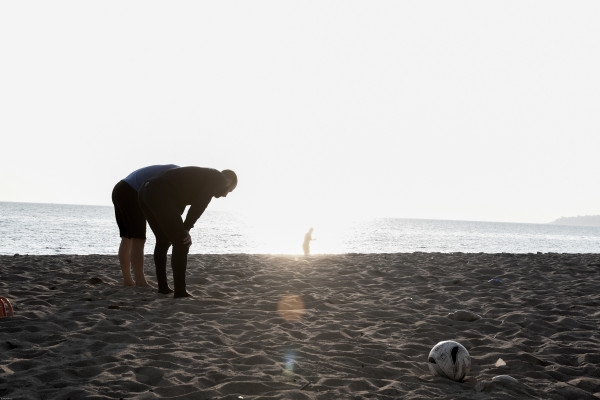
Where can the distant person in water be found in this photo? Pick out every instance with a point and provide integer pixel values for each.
(306, 244)
(132, 223)
(163, 200)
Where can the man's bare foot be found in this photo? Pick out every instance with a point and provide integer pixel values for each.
(128, 282)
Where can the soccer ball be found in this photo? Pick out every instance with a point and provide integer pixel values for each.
(449, 359)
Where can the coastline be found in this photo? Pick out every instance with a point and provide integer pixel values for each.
(290, 327)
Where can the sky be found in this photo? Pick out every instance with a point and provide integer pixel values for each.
(461, 110)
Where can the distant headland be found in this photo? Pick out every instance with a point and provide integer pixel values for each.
(585, 220)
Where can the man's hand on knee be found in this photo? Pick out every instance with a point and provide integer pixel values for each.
(187, 241)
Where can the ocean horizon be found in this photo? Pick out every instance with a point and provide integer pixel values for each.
(46, 229)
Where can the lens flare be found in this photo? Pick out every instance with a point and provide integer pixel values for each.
(290, 361)
(291, 307)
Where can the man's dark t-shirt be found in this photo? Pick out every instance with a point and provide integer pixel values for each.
(193, 186)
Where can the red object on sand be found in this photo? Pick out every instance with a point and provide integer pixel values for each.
(6, 309)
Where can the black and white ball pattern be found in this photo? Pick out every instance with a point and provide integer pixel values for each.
(449, 359)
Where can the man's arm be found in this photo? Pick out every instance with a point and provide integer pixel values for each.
(195, 211)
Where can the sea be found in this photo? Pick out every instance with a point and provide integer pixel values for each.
(51, 229)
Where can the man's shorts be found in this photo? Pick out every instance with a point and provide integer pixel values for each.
(129, 215)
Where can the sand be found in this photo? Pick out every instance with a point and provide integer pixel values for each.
(348, 327)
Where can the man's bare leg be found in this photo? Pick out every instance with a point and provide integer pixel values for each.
(137, 261)
(125, 261)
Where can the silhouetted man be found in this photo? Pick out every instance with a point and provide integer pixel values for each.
(132, 223)
(163, 200)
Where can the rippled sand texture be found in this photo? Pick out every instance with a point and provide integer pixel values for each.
(284, 327)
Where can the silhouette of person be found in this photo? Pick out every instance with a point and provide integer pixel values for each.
(163, 200)
(132, 223)
(306, 244)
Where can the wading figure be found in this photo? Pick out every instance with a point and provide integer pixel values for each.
(306, 244)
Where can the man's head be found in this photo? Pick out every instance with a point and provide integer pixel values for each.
(231, 182)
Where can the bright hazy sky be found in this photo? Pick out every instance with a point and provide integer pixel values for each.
(476, 110)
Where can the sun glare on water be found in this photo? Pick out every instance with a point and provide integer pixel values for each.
(274, 233)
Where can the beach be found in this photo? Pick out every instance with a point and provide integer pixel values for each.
(353, 326)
